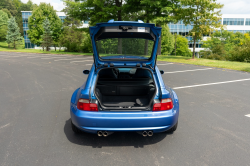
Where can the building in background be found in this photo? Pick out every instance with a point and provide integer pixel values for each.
(233, 22)
(27, 14)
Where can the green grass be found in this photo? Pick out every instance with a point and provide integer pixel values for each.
(4, 47)
(241, 66)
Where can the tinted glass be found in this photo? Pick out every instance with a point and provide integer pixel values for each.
(128, 48)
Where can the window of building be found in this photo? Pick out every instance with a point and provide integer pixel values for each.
(233, 21)
(247, 21)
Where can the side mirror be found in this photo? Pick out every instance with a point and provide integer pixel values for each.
(161, 71)
(86, 72)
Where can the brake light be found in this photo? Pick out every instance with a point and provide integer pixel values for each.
(85, 105)
(166, 104)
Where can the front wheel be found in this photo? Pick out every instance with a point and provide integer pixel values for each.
(172, 130)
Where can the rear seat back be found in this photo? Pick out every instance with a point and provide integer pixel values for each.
(125, 88)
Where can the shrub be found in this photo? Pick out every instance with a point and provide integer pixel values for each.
(86, 44)
(71, 39)
(240, 53)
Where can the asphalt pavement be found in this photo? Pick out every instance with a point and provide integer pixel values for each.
(35, 92)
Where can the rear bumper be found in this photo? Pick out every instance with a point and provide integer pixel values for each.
(124, 121)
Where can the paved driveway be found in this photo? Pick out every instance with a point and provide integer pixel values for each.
(35, 92)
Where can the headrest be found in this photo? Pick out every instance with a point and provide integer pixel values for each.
(142, 73)
(107, 73)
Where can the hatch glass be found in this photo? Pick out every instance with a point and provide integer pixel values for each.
(125, 48)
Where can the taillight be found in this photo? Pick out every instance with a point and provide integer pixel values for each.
(166, 104)
(85, 105)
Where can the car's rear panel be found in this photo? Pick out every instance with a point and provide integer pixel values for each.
(124, 121)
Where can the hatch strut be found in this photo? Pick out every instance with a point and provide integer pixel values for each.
(154, 65)
(155, 61)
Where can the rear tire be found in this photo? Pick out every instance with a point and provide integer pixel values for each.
(172, 130)
(75, 129)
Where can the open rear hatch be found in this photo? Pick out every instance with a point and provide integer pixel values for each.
(125, 43)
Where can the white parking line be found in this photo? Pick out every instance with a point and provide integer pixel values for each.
(216, 83)
(186, 71)
(13, 55)
(52, 57)
(80, 61)
(38, 57)
(4, 126)
(72, 59)
(248, 115)
(165, 64)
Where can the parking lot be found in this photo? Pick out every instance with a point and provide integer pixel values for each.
(35, 92)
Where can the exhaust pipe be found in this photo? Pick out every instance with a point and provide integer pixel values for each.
(105, 133)
(99, 133)
(150, 133)
(144, 133)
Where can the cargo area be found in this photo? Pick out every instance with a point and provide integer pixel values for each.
(125, 88)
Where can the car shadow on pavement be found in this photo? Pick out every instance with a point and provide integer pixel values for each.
(115, 139)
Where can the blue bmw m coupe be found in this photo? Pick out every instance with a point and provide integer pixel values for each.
(124, 91)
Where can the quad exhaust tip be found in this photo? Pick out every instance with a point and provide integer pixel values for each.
(104, 133)
(147, 133)
(144, 133)
(150, 133)
(99, 133)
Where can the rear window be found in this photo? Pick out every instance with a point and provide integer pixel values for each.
(125, 48)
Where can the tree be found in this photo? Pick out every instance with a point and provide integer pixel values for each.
(47, 35)
(158, 11)
(13, 33)
(182, 46)
(222, 45)
(97, 11)
(119, 10)
(241, 52)
(7, 11)
(8, 4)
(3, 25)
(36, 20)
(204, 15)
(17, 3)
(29, 6)
(72, 37)
(167, 42)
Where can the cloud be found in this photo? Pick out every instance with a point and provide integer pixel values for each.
(235, 6)
(57, 4)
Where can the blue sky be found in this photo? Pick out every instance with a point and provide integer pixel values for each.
(230, 6)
